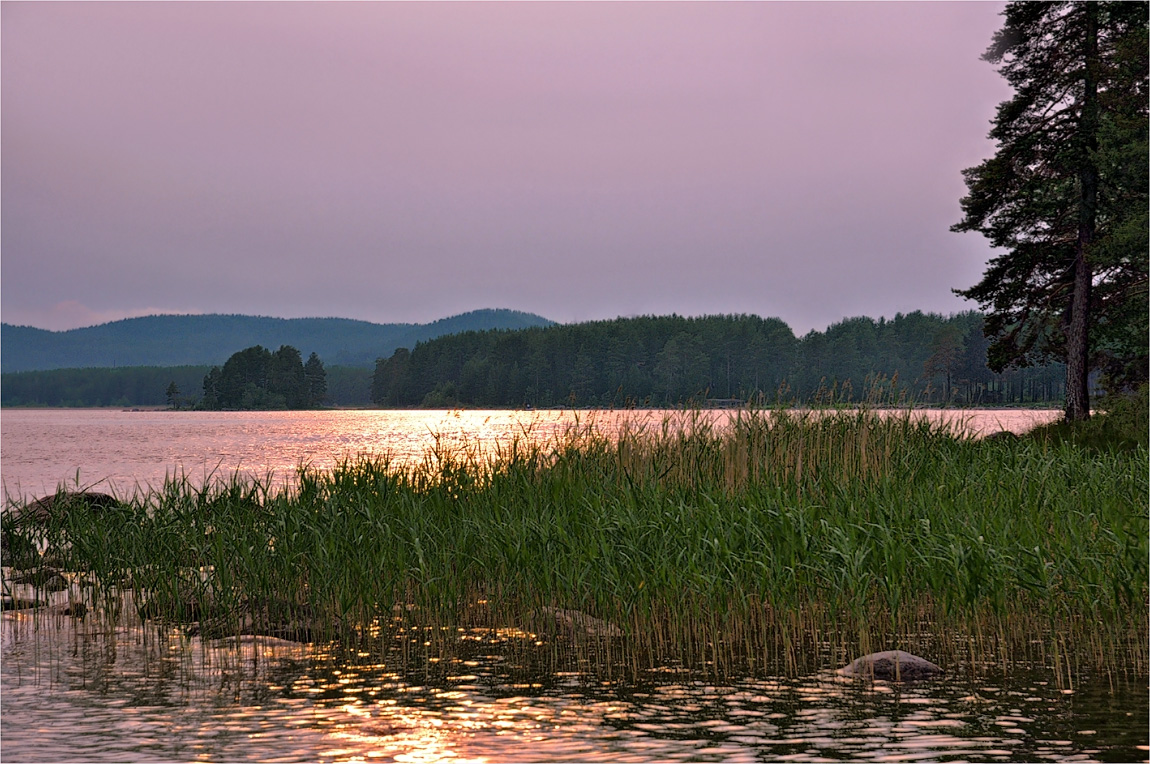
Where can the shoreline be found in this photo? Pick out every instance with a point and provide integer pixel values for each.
(844, 407)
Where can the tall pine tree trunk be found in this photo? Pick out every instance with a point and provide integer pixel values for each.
(1077, 369)
(1077, 340)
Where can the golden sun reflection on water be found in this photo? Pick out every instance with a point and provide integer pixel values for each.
(402, 735)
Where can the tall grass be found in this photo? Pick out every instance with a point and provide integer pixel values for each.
(788, 541)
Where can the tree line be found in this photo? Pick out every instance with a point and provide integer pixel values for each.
(121, 386)
(673, 360)
(150, 386)
(652, 361)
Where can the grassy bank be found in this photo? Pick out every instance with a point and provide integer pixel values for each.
(789, 542)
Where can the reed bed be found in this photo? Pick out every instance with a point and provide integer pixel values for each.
(786, 542)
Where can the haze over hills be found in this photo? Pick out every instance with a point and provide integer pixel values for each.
(188, 340)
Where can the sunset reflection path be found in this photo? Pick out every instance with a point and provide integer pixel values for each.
(75, 690)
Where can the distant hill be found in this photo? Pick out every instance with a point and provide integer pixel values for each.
(211, 339)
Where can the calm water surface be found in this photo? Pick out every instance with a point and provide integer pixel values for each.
(41, 449)
(72, 691)
(85, 691)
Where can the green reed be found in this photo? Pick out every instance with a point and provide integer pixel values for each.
(790, 540)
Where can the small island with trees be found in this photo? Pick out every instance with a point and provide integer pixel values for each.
(257, 379)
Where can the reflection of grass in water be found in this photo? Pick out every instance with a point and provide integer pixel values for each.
(789, 542)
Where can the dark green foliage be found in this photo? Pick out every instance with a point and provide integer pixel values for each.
(172, 395)
(670, 360)
(209, 339)
(1066, 194)
(256, 378)
(390, 384)
(147, 386)
(315, 381)
(945, 357)
(136, 386)
(348, 386)
(286, 375)
(624, 362)
(211, 399)
(1123, 425)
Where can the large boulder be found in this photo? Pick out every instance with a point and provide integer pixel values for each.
(22, 528)
(892, 665)
(41, 511)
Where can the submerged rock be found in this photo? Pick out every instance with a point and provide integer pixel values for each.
(894, 665)
(8, 602)
(70, 609)
(48, 579)
(247, 625)
(574, 621)
(205, 617)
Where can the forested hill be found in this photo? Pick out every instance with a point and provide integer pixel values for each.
(210, 339)
(670, 360)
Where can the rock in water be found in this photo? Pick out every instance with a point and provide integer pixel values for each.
(71, 609)
(893, 665)
(41, 511)
(576, 622)
(8, 602)
(48, 579)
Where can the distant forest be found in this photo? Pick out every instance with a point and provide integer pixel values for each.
(672, 360)
(149, 385)
(646, 361)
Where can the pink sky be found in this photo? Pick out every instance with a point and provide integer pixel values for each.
(408, 161)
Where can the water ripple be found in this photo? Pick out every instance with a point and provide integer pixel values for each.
(73, 693)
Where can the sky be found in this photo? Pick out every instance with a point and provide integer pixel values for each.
(403, 162)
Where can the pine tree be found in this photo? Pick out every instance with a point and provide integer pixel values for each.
(211, 399)
(172, 394)
(316, 381)
(945, 357)
(286, 378)
(1053, 196)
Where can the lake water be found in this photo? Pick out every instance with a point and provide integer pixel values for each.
(112, 450)
(72, 691)
(79, 690)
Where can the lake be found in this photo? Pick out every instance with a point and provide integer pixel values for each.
(140, 695)
(75, 690)
(112, 450)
